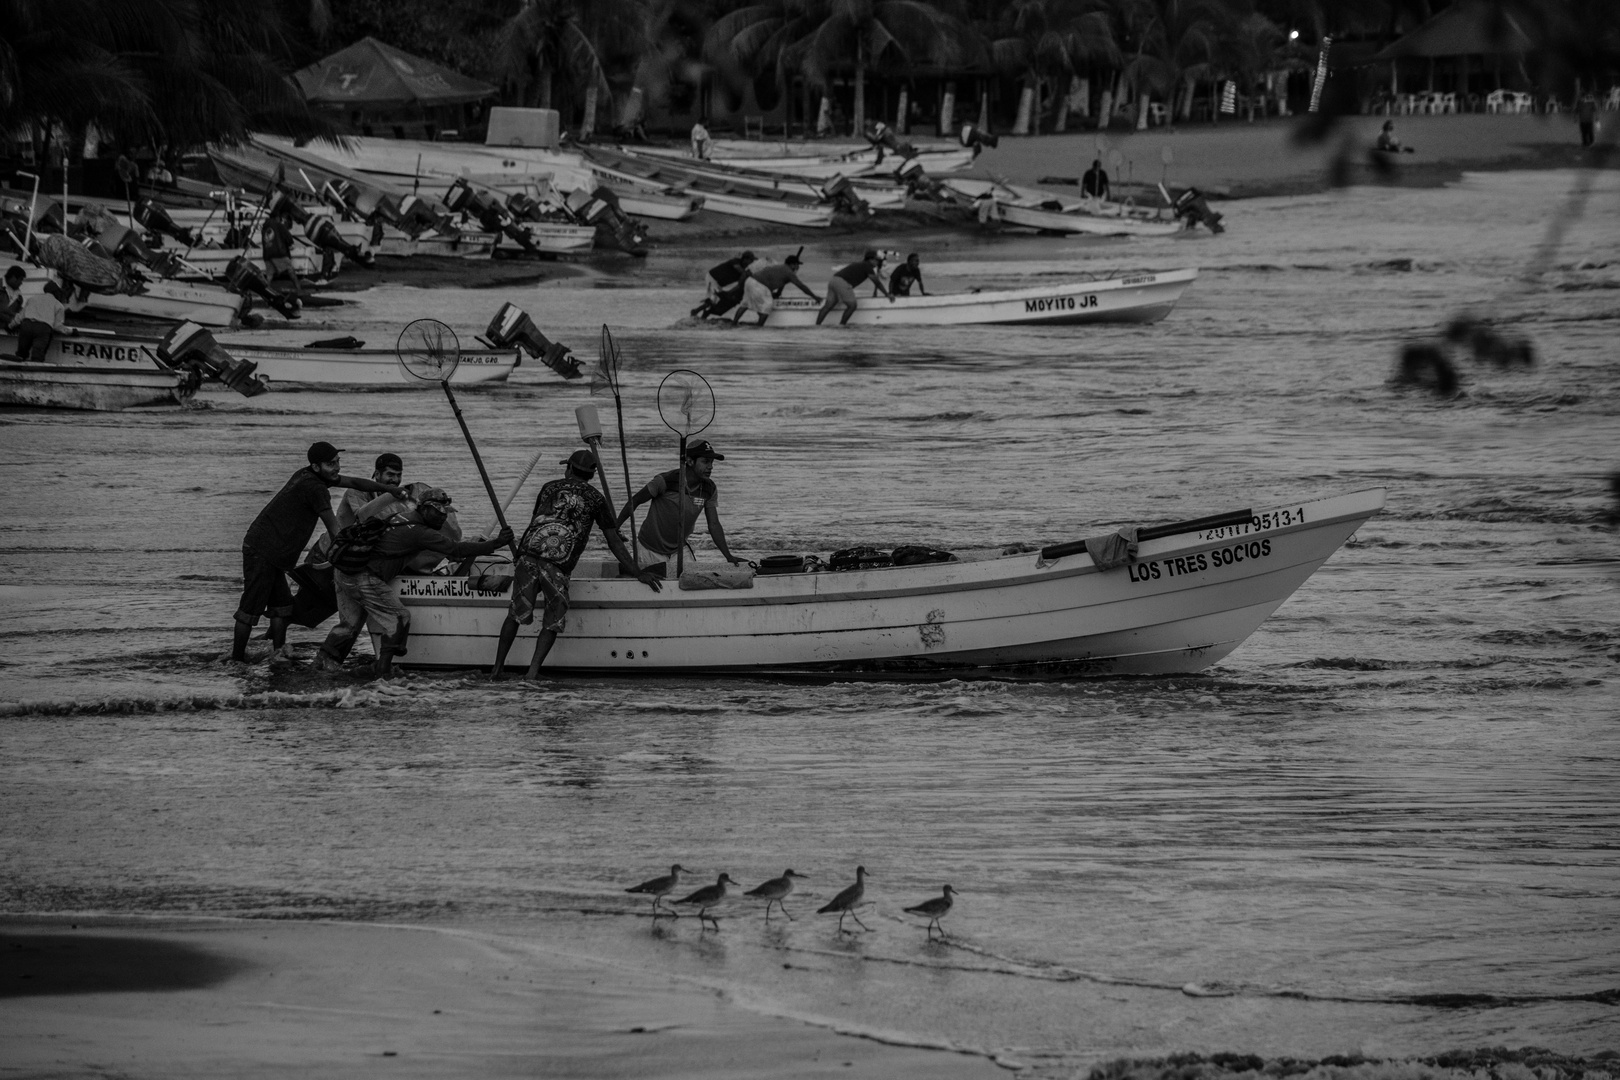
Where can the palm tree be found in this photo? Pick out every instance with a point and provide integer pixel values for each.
(866, 33)
(1049, 39)
(571, 37)
(1175, 42)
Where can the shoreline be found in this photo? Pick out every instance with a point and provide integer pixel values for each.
(180, 996)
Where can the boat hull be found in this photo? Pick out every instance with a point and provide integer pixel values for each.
(1184, 603)
(1138, 298)
(1061, 221)
(205, 305)
(91, 389)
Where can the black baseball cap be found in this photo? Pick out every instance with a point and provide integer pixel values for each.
(389, 461)
(322, 452)
(703, 448)
(581, 461)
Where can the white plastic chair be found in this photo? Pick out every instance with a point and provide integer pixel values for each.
(1612, 102)
(1523, 102)
(1447, 103)
(1157, 113)
(1496, 101)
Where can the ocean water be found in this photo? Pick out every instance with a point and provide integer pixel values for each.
(1386, 824)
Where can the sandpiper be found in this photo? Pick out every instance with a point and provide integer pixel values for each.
(844, 903)
(936, 909)
(660, 887)
(775, 891)
(706, 897)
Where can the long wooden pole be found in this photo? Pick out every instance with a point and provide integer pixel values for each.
(483, 473)
(624, 458)
(680, 521)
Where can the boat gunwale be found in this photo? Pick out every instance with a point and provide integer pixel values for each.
(1186, 275)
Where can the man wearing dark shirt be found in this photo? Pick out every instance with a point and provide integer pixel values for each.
(905, 275)
(841, 288)
(278, 537)
(1095, 183)
(1586, 117)
(370, 595)
(564, 512)
(763, 286)
(725, 286)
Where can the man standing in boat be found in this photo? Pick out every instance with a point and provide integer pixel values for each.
(1094, 184)
(762, 288)
(841, 287)
(905, 275)
(671, 518)
(564, 512)
(279, 535)
(369, 593)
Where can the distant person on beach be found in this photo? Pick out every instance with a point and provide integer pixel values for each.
(1586, 116)
(906, 275)
(762, 287)
(1095, 183)
(724, 286)
(841, 287)
(1388, 143)
(369, 594)
(277, 236)
(564, 513)
(701, 143)
(278, 537)
(40, 318)
(11, 298)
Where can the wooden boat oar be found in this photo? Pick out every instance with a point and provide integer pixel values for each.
(1156, 532)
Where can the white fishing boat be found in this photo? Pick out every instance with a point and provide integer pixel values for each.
(1191, 594)
(787, 206)
(1081, 221)
(1136, 298)
(171, 301)
(817, 161)
(93, 389)
(311, 365)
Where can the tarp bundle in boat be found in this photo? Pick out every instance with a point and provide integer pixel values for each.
(74, 262)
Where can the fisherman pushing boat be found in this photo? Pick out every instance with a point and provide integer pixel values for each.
(841, 286)
(672, 518)
(763, 287)
(551, 546)
(278, 537)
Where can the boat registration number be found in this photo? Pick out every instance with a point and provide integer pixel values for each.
(1139, 279)
(1270, 519)
(1061, 303)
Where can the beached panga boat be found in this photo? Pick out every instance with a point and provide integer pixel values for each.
(783, 207)
(1141, 298)
(96, 389)
(280, 365)
(1079, 221)
(1192, 594)
(172, 301)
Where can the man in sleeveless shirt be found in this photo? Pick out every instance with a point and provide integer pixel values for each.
(671, 519)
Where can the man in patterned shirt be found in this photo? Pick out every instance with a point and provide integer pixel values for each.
(563, 515)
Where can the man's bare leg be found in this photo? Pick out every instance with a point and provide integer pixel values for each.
(239, 642)
(542, 646)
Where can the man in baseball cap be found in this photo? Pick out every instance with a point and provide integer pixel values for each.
(671, 519)
(278, 536)
(764, 286)
(564, 513)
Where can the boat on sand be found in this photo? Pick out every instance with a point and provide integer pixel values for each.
(93, 389)
(1140, 298)
(1191, 594)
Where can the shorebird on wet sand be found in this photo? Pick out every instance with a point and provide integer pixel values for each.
(706, 897)
(661, 887)
(775, 891)
(844, 903)
(936, 909)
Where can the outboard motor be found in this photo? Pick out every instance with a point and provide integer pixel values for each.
(244, 276)
(1192, 206)
(883, 138)
(416, 215)
(975, 137)
(156, 220)
(323, 233)
(512, 326)
(842, 194)
(614, 228)
(191, 347)
(125, 243)
(489, 214)
(919, 184)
